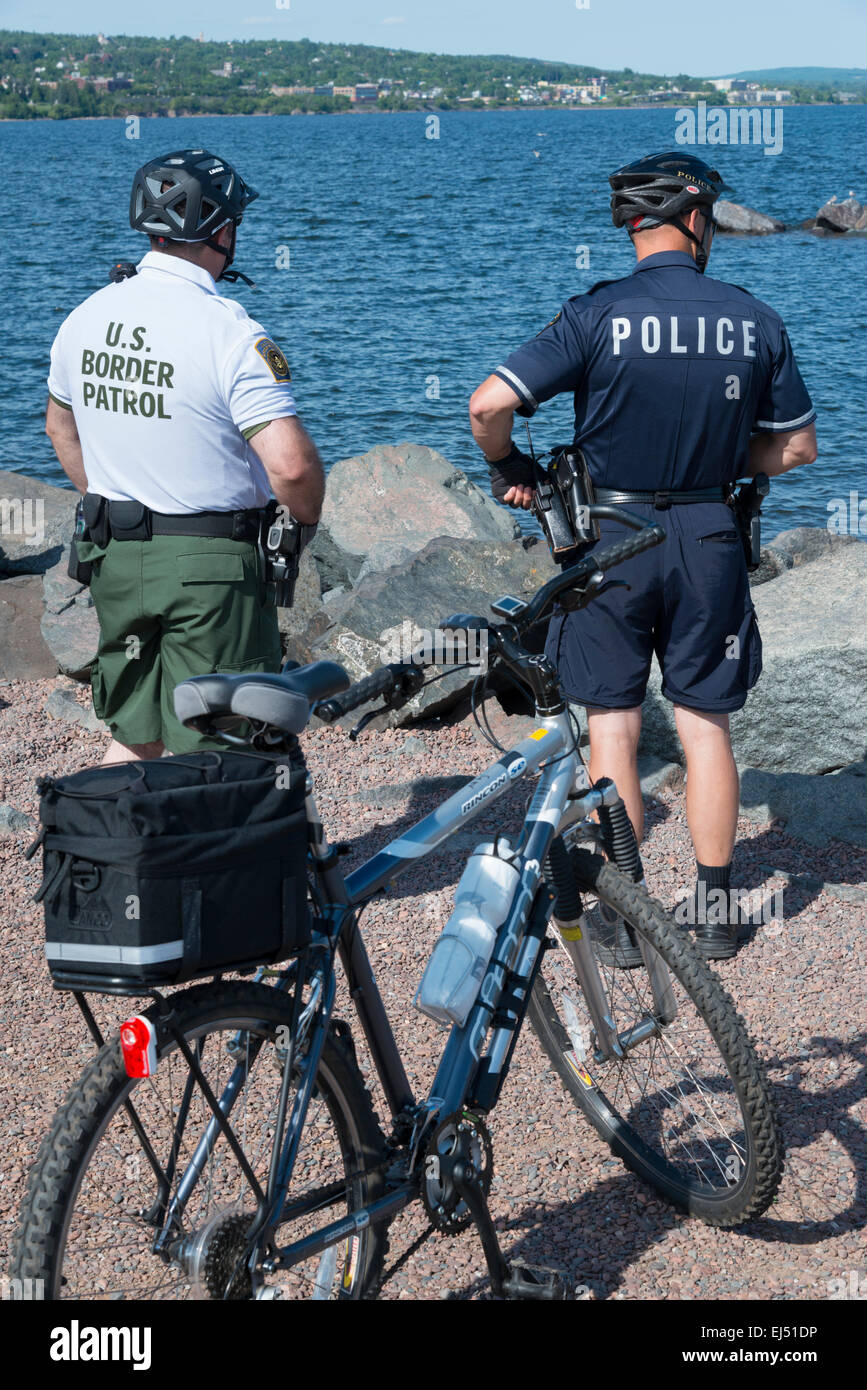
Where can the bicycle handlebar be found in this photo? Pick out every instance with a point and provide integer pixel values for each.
(403, 678)
(598, 562)
(381, 682)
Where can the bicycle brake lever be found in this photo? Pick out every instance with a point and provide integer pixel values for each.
(573, 599)
(363, 723)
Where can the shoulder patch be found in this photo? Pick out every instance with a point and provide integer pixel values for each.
(273, 357)
(558, 315)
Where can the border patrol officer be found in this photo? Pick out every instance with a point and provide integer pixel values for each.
(174, 410)
(681, 385)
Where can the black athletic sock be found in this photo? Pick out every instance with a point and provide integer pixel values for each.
(711, 908)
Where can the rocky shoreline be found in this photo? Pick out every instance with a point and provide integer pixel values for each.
(407, 539)
(834, 218)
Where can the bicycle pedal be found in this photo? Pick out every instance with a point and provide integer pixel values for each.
(536, 1283)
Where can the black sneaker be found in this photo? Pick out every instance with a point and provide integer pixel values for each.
(718, 940)
(613, 941)
(721, 941)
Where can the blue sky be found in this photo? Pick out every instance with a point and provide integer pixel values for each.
(667, 36)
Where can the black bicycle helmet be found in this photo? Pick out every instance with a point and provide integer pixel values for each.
(188, 196)
(661, 188)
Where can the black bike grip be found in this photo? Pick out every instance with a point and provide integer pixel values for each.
(615, 554)
(381, 682)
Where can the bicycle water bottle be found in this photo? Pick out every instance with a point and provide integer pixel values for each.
(455, 971)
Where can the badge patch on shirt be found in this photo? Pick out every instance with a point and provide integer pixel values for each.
(277, 363)
(551, 324)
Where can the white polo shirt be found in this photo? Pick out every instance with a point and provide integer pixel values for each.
(167, 381)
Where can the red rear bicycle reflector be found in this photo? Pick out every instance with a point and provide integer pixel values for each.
(138, 1043)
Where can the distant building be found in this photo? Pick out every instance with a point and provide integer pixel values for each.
(366, 93)
(345, 92)
(722, 84)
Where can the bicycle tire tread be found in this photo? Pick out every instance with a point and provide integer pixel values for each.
(594, 873)
(63, 1147)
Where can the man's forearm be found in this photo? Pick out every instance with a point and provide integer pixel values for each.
(304, 494)
(492, 416)
(775, 454)
(69, 457)
(493, 433)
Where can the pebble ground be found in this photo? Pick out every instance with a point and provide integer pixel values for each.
(558, 1197)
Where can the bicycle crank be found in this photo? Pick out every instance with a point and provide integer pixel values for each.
(462, 1135)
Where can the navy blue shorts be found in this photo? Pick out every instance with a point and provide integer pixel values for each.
(689, 602)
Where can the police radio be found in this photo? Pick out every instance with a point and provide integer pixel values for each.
(281, 541)
(562, 499)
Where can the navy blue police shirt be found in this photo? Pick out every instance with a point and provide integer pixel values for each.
(671, 371)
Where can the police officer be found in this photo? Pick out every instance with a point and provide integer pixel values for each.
(173, 410)
(681, 385)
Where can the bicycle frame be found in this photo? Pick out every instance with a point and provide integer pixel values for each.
(469, 1073)
(466, 1075)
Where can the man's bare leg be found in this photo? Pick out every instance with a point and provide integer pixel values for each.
(120, 753)
(711, 784)
(614, 753)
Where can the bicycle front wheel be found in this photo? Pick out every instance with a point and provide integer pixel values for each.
(98, 1220)
(686, 1105)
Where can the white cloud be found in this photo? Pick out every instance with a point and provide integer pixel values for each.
(397, 19)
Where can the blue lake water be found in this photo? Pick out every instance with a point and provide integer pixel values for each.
(413, 258)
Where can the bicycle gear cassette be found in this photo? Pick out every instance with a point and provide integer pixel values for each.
(216, 1259)
(462, 1135)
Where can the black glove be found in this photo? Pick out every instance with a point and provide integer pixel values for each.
(515, 470)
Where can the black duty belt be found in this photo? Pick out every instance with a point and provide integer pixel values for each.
(663, 497)
(228, 525)
(127, 520)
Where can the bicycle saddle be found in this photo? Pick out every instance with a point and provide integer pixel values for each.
(282, 701)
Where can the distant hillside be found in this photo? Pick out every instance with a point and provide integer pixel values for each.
(57, 76)
(838, 78)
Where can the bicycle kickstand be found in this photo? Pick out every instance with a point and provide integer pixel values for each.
(510, 1282)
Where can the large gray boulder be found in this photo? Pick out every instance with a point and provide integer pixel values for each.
(773, 563)
(23, 651)
(804, 544)
(844, 216)
(807, 712)
(743, 221)
(36, 520)
(812, 808)
(799, 546)
(73, 636)
(387, 614)
(388, 503)
(301, 624)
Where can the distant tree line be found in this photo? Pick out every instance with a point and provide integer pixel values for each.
(61, 76)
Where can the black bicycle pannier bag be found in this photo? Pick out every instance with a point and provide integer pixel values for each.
(159, 872)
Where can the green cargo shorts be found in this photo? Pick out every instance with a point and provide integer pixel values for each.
(171, 608)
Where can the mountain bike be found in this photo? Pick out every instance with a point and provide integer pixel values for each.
(250, 1163)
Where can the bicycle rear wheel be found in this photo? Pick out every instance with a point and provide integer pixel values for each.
(687, 1106)
(92, 1214)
